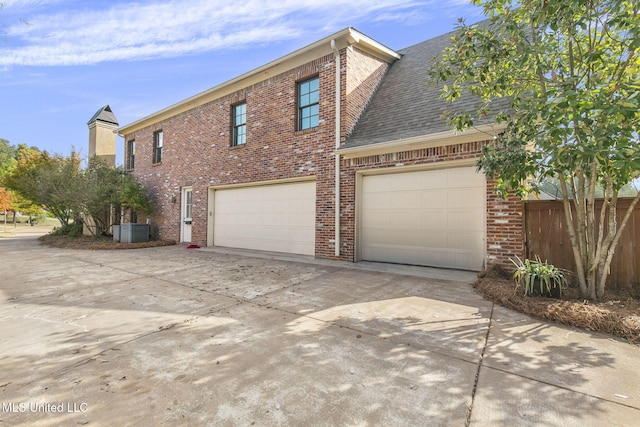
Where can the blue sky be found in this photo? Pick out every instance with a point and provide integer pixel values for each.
(61, 60)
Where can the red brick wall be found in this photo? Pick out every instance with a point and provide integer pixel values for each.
(197, 152)
(362, 75)
(505, 228)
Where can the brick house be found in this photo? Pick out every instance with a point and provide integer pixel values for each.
(261, 161)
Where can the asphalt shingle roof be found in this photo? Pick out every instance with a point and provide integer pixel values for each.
(405, 104)
(104, 114)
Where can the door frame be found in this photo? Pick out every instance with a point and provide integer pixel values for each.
(183, 208)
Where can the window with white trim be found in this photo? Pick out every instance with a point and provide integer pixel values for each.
(239, 113)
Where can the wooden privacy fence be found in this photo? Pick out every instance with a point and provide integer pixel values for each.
(546, 236)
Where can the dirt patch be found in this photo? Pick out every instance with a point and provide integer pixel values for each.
(91, 242)
(617, 314)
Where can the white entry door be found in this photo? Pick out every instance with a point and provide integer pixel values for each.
(186, 214)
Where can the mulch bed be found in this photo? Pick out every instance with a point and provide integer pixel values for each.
(617, 313)
(91, 242)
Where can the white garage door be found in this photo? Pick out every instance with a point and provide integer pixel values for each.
(432, 218)
(278, 218)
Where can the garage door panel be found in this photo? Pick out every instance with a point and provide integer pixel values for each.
(431, 198)
(434, 218)
(379, 219)
(465, 241)
(279, 218)
(376, 199)
(406, 199)
(401, 220)
(464, 178)
(463, 221)
(397, 220)
(376, 185)
(437, 179)
(464, 198)
(308, 235)
(416, 256)
(299, 221)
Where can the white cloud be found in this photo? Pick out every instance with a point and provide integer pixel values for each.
(22, 4)
(73, 33)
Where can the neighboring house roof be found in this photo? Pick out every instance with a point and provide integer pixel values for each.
(104, 114)
(347, 37)
(406, 106)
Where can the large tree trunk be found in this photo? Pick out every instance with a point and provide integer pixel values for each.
(593, 248)
(574, 237)
(609, 250)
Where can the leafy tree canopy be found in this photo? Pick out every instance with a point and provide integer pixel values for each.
(7, 156)
(51, 181)
(67, 191)
(5, 199)
(571, 70)
(107, 191)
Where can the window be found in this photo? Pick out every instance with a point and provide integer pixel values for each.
(239, 124)
(308, 103)
(131, 154)
(188, 204)
(157, 147)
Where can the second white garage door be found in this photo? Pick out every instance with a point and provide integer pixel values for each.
(278, 218)
(432, 218)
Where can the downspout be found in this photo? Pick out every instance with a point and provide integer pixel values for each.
(337, 156)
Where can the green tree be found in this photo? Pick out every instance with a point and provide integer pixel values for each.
(7, 157)
(107, 192)
(7, 163)
(570, 70)
(50, 181)
(24, 206)
(94, 195)
(5, 199)
(100, 188)
(10, 201)
(133, 198)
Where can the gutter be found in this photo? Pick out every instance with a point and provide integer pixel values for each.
(337, 155)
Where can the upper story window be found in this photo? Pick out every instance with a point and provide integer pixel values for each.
(157, 146)
(131, 154)
(308, 103)
(239, 113)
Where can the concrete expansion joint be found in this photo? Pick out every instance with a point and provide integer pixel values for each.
(94, 357)
(480, 362)
(562, 387)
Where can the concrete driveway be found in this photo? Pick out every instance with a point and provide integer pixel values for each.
(173, 336)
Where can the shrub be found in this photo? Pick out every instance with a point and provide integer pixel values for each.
(72, 230)
(548, 277)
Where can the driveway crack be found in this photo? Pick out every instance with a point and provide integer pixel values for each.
(480, 362)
